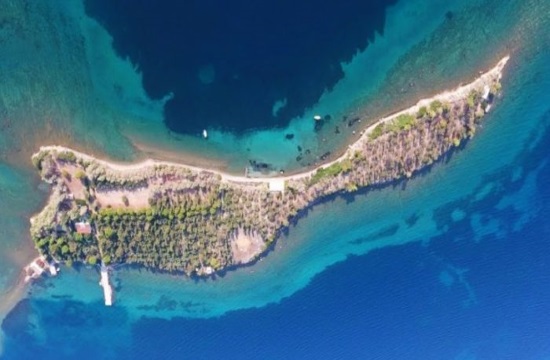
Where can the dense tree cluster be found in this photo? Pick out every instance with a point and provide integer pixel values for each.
(54, 232)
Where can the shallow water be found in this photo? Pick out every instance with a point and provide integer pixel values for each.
(449, 264)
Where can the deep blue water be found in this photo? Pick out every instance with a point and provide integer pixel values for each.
(251, 54)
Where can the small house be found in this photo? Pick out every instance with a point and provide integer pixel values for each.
(83, 228)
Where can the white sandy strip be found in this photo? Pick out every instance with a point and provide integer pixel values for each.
(459, 93)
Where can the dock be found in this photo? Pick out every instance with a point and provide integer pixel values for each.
(107, 289)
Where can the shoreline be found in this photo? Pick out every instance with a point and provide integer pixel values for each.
(177, 217)
(448, 95)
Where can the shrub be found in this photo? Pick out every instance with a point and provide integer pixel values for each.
(80, 175)
(346, 165)
(37, 159)
(377, 132)
(423, 111)
(472, 97)
(66, 174)
(436, 106)
(332, 170)
(80, 202)
(402, 122)
(67, 156)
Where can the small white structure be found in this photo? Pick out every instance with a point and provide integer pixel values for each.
(317, 117)
(486, 92)
(276, 185)
(53, 270)
(205, 134)
(107, 289)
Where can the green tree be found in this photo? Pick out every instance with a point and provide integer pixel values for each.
(92, 260)
(43, 243)
(106, 259)
(109, 233)
(214, 263)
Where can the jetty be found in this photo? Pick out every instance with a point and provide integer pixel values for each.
(107, 289)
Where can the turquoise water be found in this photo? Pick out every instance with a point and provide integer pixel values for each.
(456, 248)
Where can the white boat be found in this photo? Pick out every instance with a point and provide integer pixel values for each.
(205, 134)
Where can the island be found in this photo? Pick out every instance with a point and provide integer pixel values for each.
(177, 218)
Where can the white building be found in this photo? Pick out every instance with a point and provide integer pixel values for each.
(277, 185)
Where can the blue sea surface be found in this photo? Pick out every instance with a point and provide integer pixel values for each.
(451, 264)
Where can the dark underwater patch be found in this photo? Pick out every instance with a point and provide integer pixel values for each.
(382, 233)
(227, 63)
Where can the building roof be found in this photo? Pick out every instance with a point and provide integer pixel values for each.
(83, 227)
(276, 185)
